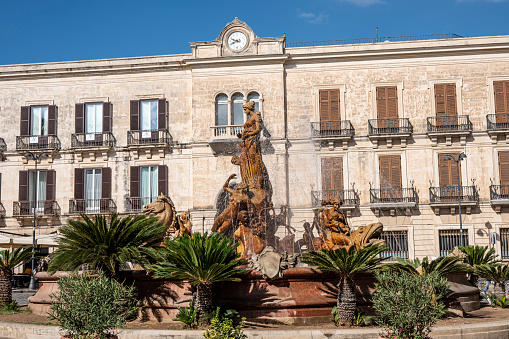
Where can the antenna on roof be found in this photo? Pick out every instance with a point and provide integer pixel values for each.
(376, 39)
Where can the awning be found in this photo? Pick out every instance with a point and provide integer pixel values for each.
(47, 240)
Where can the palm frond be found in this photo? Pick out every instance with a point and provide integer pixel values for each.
(494, 272)
(9, 260)
(478, 255)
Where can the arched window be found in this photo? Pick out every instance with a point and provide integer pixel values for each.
(253, 96)
(237, 110)
(222, 110)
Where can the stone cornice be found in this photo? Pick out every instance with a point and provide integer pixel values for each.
(236, 61)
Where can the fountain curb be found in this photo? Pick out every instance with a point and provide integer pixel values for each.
(491, 330)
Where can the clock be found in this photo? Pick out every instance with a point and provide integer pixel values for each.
(237, 41)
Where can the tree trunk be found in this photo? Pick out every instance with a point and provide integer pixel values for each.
(499, 290)
(347, 303)
(203, 299)
(5, 286)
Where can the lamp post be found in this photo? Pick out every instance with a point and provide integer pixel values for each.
(36, 158)
(461, 156)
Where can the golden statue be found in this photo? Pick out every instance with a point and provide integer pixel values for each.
(164, 210)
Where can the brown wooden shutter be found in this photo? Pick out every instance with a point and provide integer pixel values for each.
(501, 89)
(135, 115)
(503, 165)
(447, 171)
(79, 183)
(162, 185)
(161, 118)
(25, 121)
(381, 102)
(390, 171)
(332, 173)
(79, 121)
(23, 185)
(52, 121)
(135, 181)
(445, 100)
(50, 184)
(329, 105)
(387, 102)
(107, 112)
(106, 183)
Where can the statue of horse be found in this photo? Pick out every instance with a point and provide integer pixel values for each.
(164, 209)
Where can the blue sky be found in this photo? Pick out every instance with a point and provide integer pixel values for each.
(61, 30)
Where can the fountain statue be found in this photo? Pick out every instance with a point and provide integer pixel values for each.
(164, 210)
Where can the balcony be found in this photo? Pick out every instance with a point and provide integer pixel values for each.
(135, 204)
(393, 199)
(330, 132)
(224, 139)
(389, 129)
(89, 143)
(499, 196)
(498, 124)
(92, 206)
(149, 140)
(350, 198)
(47, 143)
(449, 127)
(43, 208)
(447, 196)
(2, 211)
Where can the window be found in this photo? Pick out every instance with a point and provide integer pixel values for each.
(329, 105)
(92, 189)
(445, 104)
(237, 111)
(253, 96)
(148, 115)
(390, 171)
(387, 102)
(503, 173)
(93, 185)
(93, 118)
(222, 110)
(447, 171)
(40, 185)
(230, 112)
(332, 177)
(501, 93)
(38, 121)
(397, 243)
(448, 239)
(504, 243)
(147, 182)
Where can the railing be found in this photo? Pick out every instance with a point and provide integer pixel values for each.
(341, 128)
(92, 206)
(496, 122)
(37, 142)
(42, 207)
(448, 239)
(372, 40)
(449, 194)
(161, 136)
(2, 211)
(499, 192)
(389, 126)
(458, 123)
(504, 243)
(393, 195)
(135, 204)
(226, 131)
(84, 140)
(397, 244)
(349, 197)
(3, 145)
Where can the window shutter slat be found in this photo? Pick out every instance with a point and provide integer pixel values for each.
(135, 115)
(23, 186)
(79, 183)
(395, 171)
(50, 184)
(52, 121)
(106, 183)
(327, 174)
(381, 102)
(392, 102)
(161, 118)
(334, 105)
(337, 173)
(385, 171)
(440, 100)
(25, 121)
(450, 92)
(135, 181)
(79, 121)
(324, 105)
(107, 109)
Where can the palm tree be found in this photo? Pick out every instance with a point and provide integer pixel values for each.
(346, 263)
(201, 259)
(9, 260)
(442, 265)
(495, 272)
(105, 245)
(478, 255)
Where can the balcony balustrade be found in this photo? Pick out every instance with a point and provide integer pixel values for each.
(147, 141)
(329, 132)
(499, 196)
(498, 124)
(226, 131)
(389, 129)
(37, 142)
(447, 196)
(92, 206)
(90, 140)
(135, 204)
(448, 127)
(393, 199)
(350, 198)
(42, 208)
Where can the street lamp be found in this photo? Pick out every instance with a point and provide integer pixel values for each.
(461, 156)
(36, 158)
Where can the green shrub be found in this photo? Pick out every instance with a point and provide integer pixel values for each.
(187, 315)
(336, 318)
(408, 304)
(90, 306)
(222, 328)
(504, 302)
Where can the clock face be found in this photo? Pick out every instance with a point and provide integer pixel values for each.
(237, 41)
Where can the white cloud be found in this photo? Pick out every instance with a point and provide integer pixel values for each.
(312, 18)
(367, 2)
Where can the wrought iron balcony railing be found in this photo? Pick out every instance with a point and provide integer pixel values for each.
(393, 195)
(349, 197)
(149, 137)
(25, 143)
(332, 129)
(3, 145)
(85, 140)
(449, 194)
(226, 131)
(2, 211)
(92, 206)
(135, 204)
(42, 207)
(459, 123)
(497, 122)
(389, 126)
(499, 192)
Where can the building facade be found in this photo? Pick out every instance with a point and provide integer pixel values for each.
(372, 123)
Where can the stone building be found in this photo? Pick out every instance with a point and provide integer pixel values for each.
(370, 122)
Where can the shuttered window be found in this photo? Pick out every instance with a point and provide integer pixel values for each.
(501, 89)
(38, 120)
(161, 116)
(387, 102)
(86, 123)
(329, 105)
(390, 171)
(332, 173)
(503, 166)
(46, 181)
(445, 100)
(447, 172)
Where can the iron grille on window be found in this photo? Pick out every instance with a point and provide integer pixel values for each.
(448, 239)
(504, 243)
(397, 243)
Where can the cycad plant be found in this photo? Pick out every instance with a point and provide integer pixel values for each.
(346, 263)
(105, 245)
(8, 261)
(497, 273)
(442, 265)
(202, 259)
(478, 255)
